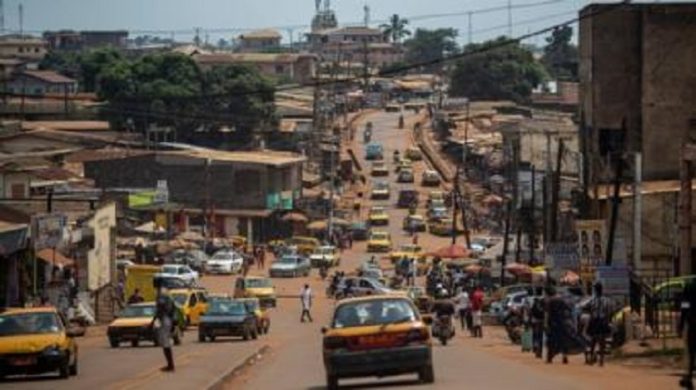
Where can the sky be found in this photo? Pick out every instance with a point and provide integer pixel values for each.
(221, 17)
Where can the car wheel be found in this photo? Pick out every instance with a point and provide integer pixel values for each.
(212, 338)
(113, 342)
(427, 374)
(331, 382)
(255, 334)
(135, 343)
(73, 367)
(246, 335)
(201, 337)
(64, 370)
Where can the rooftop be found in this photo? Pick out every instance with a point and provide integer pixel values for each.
(234, 58)
(266, 157)
(48, 76)
(655, 187)
(351, 30)
(66, 125)
(267, 33)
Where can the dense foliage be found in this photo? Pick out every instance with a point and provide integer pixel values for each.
(560, 55)
(431, 45)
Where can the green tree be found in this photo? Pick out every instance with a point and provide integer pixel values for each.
(431, 45)
(93, 63)
(496, 71)
(396, 28)
(561, 57)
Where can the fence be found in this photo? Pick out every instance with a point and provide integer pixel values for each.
(656, 296)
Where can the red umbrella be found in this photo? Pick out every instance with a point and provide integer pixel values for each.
(518, 269)
(570, 277)
(475, 269)
(453, 251)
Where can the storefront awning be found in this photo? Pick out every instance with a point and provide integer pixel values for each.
(13, 237)
(53, 257)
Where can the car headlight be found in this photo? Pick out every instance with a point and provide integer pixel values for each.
(52, 350)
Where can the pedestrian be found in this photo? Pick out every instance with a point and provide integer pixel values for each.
(411, 272)
(163, 323)
(463, 305)
(537, 322)
(557, 338)
(688, 320)
(135, 297)
(262, 257)
(350, 240)
(414, 240)
(246, 263)
(477, 312)
(306, 300)
(599, 328)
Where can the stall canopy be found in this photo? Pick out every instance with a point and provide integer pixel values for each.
(453, 251)
(53, 257)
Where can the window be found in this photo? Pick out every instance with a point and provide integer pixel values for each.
(17, 190)
(279, 69)
(247, 182)
(20, 49)
(36, 50)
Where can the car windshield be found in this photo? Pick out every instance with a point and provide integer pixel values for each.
(376, 210)
(258, 283)
(138, 311)
(380, 236)
(222, 256)
(288, 260)
(170, 270)
(180, 299)
(226, 307)
(380, 185)
(377, 312)
(29, 323)
(325, 251)
(252, 305)
(410, 248)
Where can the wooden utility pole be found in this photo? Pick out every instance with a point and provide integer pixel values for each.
(531, 225)
(615, 201)
(508, 211)
(555, 193)
(686, 264)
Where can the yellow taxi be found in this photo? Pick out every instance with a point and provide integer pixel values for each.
(36, 341)
(263, 317)
(435, 196)
(441, 227)
(376, 336)
(404, 163)
(305, 245)
(133, 324)
(379, 241)
(193, 303)
(409, 251)
(378, 216)
(414, 154)
(256, 287)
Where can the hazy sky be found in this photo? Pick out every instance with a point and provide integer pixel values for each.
(184, 15)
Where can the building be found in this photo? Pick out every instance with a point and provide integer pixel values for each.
(355, 44)
(81, 40)
(232, 192)
(298, 68)
(636, 73)
(23, 47)
(259, 41)
(40, 82)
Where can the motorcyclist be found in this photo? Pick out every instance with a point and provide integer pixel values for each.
(401, 121)
(443, 305)
(397, 156)
(323, 270)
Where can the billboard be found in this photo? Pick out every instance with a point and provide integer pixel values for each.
(101, 257)
(48, 230)
(591, 235)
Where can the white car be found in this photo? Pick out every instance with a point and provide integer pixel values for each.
(327, 254)
(179, 271)
(224, 262)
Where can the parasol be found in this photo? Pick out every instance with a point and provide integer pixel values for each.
(475, 269)
(570, 277)
(453, 251)
(518, 269)
(295, 217)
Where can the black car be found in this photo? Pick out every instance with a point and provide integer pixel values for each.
(359, 231)
(407, 198)
(227, 318)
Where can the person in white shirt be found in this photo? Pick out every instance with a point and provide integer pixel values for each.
(463, 308)
(306, 300)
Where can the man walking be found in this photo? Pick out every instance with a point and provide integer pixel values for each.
(163, 323)
(557, 311)
(477, 312)
(536, 318)
(599, 329)
(463, 304)
(306, 300)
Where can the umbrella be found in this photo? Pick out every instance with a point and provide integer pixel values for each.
(570, 277)
(453, 251)
(518, 269)
(492, 199)
(323, 224)
(191, 236)
(295, 217)
(475, 269)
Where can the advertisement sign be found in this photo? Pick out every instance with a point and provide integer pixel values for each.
(47, 230)
(591, 241)
(101, 256)
(563, 256)
(615, 279)
(161, 193)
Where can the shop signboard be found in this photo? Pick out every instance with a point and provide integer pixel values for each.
(102, 255)
(591, 241)
(48, 230)
(563, 256)
(614, 279)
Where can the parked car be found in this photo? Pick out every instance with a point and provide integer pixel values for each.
(500, 309)
(378, 216)
(379, 241)
(256, 287)
(374, 151)
(225, 261)
(440, 226)
(179, 271)
(380, 190)
(290, 266)
(192, 302)
(409, 251)
(227, 318)
(404, 163)
(405, 176)
(37, 341)
(363, 286)
(414, 223)
(414, 154)
(435, 197)
(379, 168)
(430, 178)
(366, 338)
(437, 213)
(326, 254)
(305, 245)
(407, 198)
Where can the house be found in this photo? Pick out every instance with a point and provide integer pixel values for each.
(355, 44)
(81, 40)
(23, 47)
(40, 82)
(259, 41)
(636, 73)
(296, 67)
(230, 192)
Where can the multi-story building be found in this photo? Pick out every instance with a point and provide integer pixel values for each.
(297, 67)
(22, 47)
(356, 44)
(259, 41)
(80, 40)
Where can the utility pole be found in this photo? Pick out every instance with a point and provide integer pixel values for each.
(469, 26)
(532, 225)
(615, 201)
(638, 211)
(506, 236)
(366, 70)
(555, 191)
(547, 187)
(509, 12)
(21, 21)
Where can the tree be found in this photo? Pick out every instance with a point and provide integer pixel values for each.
(431, 45)
(396, 28)
(496, 71)
(560, 56)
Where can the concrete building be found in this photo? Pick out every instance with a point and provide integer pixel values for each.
(40, 82)
(300, 68)
(636, 70)
(80, 40)
(259, 41)
(23, 47)
(355, 44)
(238, 191)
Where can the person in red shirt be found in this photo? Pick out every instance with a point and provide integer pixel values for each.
(477, 312)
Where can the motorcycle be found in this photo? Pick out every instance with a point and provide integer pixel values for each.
(513, 326)
(443, 328)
